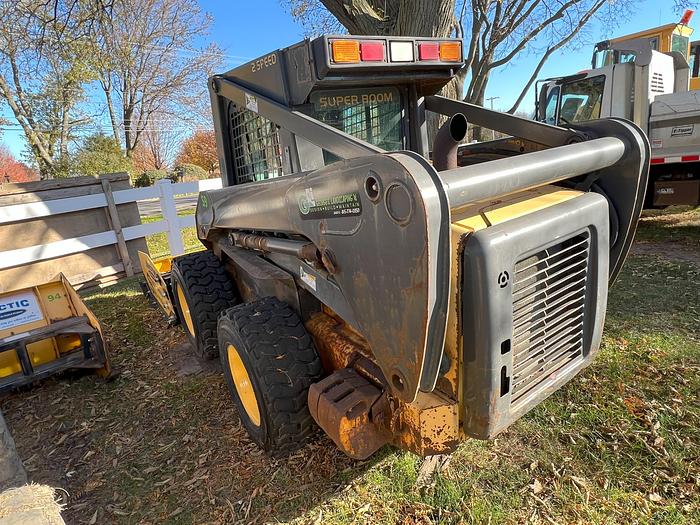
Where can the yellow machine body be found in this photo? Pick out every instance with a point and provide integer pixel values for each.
(53, 309)
(667, 38)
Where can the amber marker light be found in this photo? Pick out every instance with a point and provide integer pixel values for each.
(451, 51)
(346, 51)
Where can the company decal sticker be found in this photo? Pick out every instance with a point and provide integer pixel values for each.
(251, 102)
(19, 308)
(681, 131)
(657, 143)
(341, 205)
(308, 278)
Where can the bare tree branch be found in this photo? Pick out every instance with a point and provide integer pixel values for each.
(550, 50)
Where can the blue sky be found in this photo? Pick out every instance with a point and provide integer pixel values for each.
(251, 29)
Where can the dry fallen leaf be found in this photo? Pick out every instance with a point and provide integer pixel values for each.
(536, 486)
(656, 498)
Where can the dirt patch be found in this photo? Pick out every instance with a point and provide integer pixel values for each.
(668, 250)
(187, 363)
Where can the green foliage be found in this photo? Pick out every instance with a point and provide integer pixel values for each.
(150, 177)
(99, 154)
(190, 172)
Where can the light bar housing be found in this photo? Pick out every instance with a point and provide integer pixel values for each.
(396, 52)
(288, 75)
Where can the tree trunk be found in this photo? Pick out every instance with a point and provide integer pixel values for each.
(106, 83)
(477, 97)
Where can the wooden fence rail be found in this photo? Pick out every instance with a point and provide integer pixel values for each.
(116, 235)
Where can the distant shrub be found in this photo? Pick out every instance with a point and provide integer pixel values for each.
(150, 177)
(190, 173)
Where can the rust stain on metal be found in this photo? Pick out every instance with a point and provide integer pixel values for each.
(341, 404)
(337, 343)
(429, 425)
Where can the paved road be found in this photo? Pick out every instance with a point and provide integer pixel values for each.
(152, 207)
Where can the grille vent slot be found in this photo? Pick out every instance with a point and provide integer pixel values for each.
(657, 82)
(549, 293)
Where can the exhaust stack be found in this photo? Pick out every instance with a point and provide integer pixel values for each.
(447, 140)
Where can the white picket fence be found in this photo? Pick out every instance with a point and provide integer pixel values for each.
(163, 190)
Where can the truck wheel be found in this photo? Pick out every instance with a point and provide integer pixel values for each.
(202, 290)
(269, 362)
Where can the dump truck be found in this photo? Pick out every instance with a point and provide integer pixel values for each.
(47, 329)
(388, 288)
(673, 37)
(644, 77)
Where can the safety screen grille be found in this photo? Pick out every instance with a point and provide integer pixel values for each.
(549, 292)
(371, 114)
(255, 143)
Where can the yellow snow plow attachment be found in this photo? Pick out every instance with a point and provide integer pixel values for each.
(46, 329)
(157, 286)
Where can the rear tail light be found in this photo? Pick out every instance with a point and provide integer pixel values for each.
(372, 51)
(428, 51)
(401, 51)
(346, 51)
(451, 51)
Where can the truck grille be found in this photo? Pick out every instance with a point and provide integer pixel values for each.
(549, 292)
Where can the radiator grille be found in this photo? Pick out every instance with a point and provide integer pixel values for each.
(657, 82)
(256, 147)
(549, 292)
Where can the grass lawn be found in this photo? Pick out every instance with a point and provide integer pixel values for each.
(677, 224)
(161, 444)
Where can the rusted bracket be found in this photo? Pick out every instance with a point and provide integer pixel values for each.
(342, 405)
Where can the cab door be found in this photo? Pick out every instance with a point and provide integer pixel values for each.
(548, 106)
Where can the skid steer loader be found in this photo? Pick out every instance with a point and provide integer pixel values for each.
(388, 287)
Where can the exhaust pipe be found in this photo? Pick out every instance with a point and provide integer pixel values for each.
(448, 137)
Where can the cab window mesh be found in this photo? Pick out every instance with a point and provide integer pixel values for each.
(257, 154)
(373, 115)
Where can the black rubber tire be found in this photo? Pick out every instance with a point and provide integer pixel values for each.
(281, 361)
(208, 291)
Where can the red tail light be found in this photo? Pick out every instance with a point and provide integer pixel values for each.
(428, 51)
(372, 51)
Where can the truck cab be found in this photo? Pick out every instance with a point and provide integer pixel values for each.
(650, 88)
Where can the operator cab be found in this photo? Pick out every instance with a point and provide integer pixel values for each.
(366, 87)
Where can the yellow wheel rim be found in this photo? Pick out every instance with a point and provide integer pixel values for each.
(243, 385)
(185, 309)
